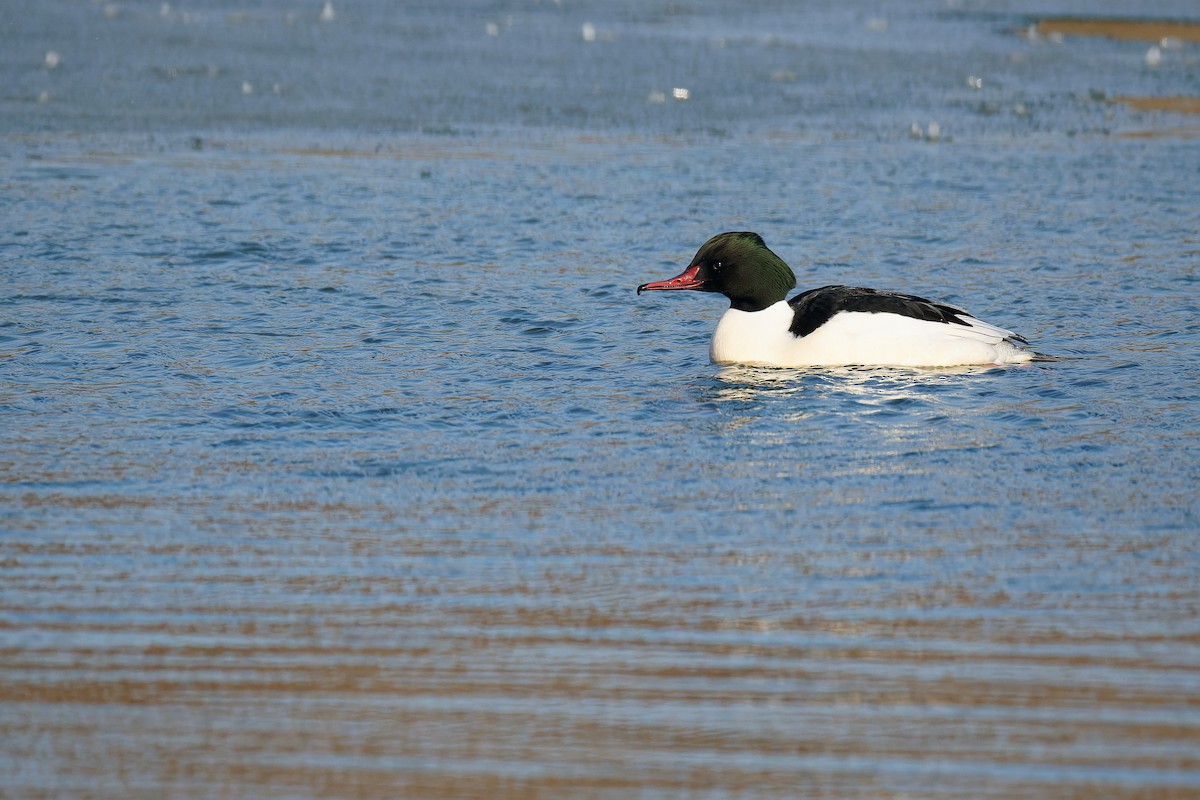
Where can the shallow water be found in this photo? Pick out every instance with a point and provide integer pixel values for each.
(339, 458)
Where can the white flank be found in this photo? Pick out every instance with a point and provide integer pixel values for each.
(857, 338)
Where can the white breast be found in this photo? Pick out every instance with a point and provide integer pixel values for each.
(762, 337)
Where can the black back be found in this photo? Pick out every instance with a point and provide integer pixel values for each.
(814, 307)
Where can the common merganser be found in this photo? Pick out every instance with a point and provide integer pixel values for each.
(832, 325)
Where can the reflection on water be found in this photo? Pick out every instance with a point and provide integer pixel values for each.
(411, 664)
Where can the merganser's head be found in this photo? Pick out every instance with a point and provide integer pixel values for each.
(740, 266)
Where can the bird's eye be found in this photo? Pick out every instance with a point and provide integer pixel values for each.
(717, 266)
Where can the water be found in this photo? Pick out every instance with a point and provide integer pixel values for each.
(338, 457)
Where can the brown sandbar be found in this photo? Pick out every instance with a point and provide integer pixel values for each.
(1141, 30)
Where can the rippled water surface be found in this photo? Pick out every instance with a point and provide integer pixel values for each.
(338, 457)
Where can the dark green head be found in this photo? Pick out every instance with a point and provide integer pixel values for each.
(740, 266)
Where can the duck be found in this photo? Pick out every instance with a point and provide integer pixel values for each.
(831, 325)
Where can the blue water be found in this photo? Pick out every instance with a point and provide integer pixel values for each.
(339, 458)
